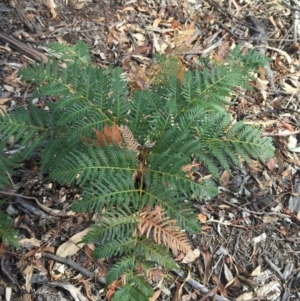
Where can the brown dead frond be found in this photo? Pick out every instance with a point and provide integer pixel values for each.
(129, 139)
(110, 135)
(157, 225)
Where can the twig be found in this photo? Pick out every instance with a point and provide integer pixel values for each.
(85, 272)
(74, 291)
(274, 267)
(33, 53)
(89, 274)
(208, 49)
(45, 208)
(258, 213)
(281, 134)
(225, 224)
(5, 272)
(201, 287)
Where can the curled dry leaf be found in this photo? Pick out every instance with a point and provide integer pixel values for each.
(271, 164)
(228, 273)
(71, 246)
(256, 271)
(225, 178)
(191, 256)
(51, 5)
(155, 295)
(202, 218)
(77, 4)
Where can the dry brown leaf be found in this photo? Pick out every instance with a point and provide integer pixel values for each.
(71, 246)
(190, 297)
(9, 88)
(28, 272)
(289, 89)
(163, 230)
(11, 77)
(202, 218)
(270, 219)
(228, 273)
(283, 231)
(178, 292)
(262, 86)
(229, 283)
(88, 253)
(129, 139)
(2, 110)
(51, 5)
(155, 295)
(191, 256)
(113, 286)
(128, 8)
(110, 135)
(207, 257)
(286, 125)
(30, 17)
(155, 275)
(156, 22)
(77, 4)
(219, 285)
(256, 271)
(271, 164)
(6, 48)
(225, 178)
(245, 296)
(28, 243)
(179, 257)
(87, 289)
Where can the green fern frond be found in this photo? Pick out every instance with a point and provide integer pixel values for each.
(140, 283)
(123, 265)
(117, 247)
(28, 128)
(181, 119)
(113, 226)
(249, 61)
(155, 253)
(69, 53)
(8, 234)
(106, 162)
(130, 293)
(7, 165)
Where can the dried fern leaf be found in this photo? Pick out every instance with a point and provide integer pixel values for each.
(129, 139)
(109, 135)
(156, 224)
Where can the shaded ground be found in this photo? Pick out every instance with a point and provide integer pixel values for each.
(249, 244)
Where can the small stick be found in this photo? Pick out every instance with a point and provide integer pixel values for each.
(85, 272)
(45, 208)
(281, 134)
(274, 268)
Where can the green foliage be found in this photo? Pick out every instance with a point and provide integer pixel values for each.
(162, 130)
(8, 234)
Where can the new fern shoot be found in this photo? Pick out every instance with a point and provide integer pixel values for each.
(134, 154)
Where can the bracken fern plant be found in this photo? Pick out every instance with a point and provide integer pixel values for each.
(135, 155)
